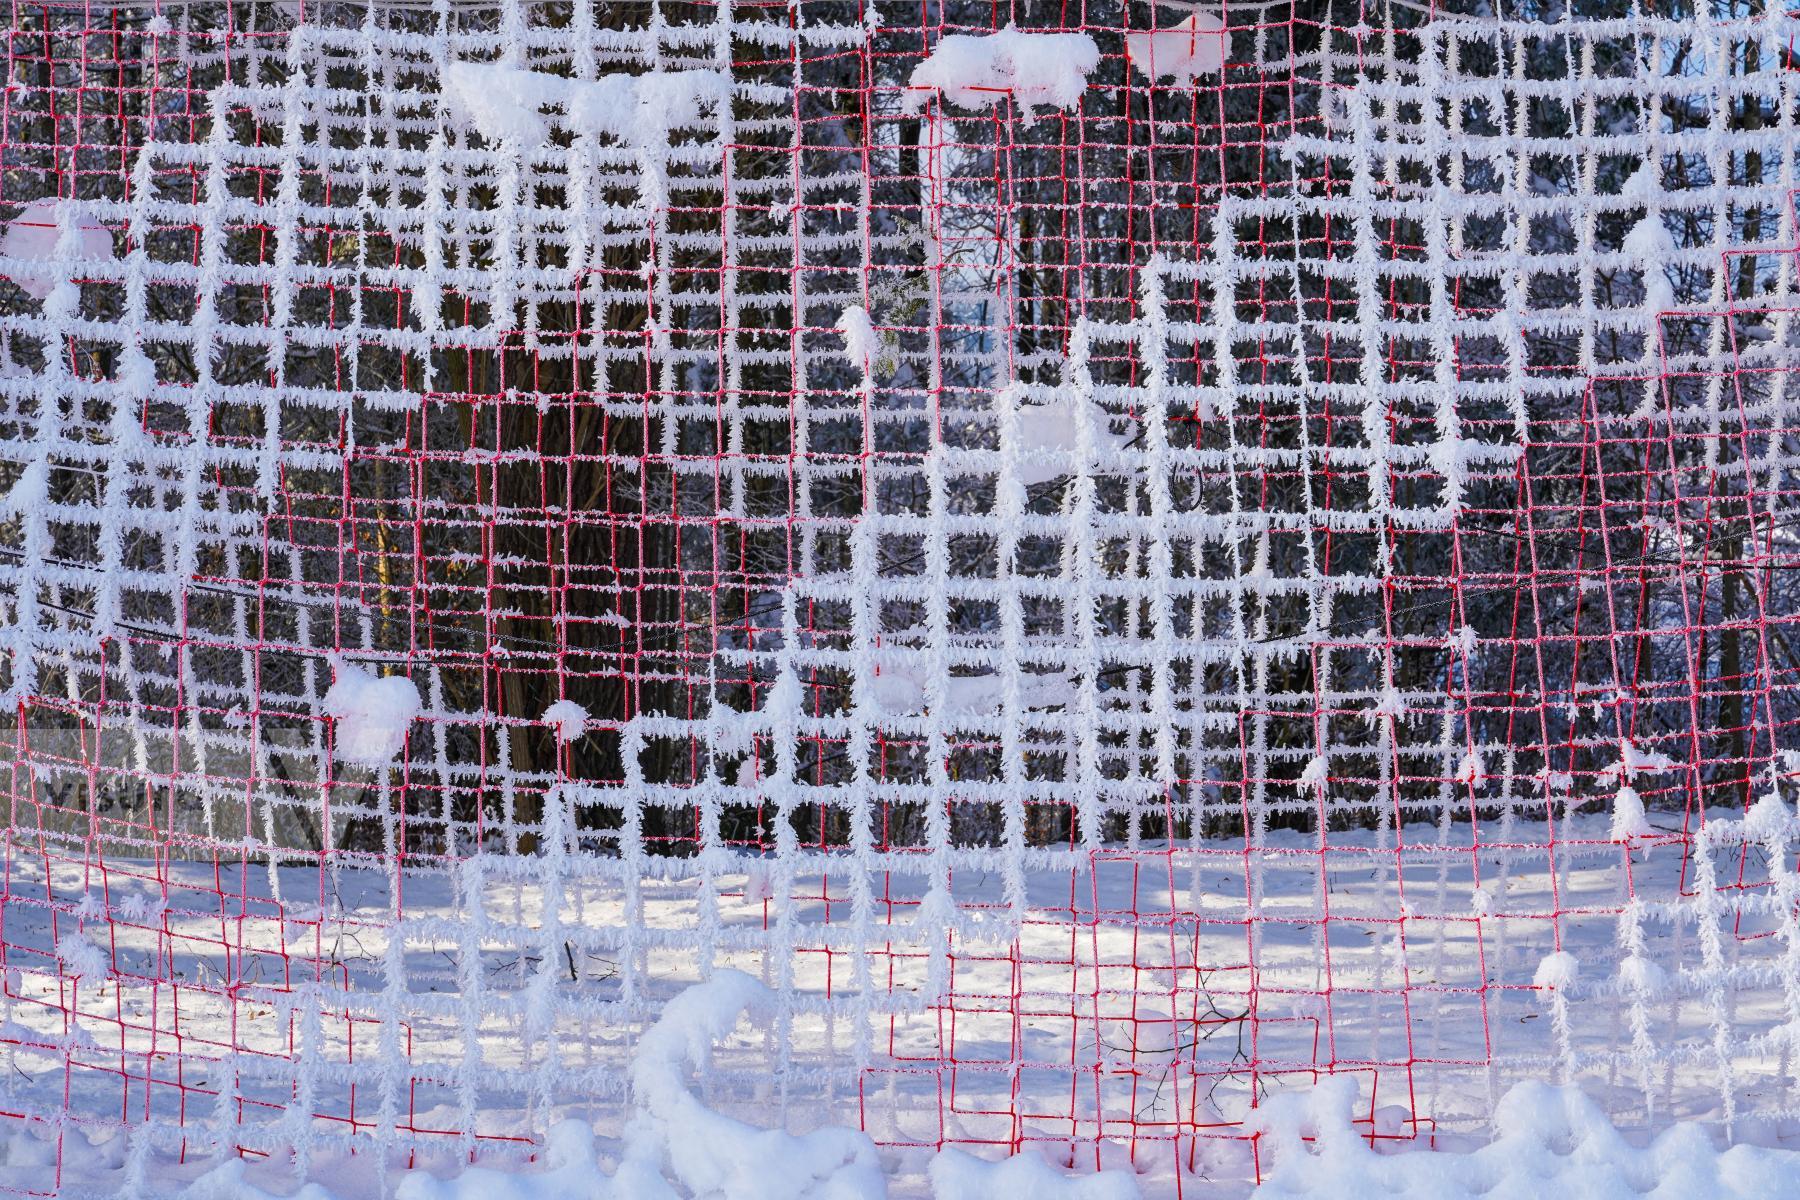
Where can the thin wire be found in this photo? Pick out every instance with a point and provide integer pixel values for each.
(161, 5)
(1188, 6)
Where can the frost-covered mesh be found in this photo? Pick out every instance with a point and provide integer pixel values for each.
(1121, 575)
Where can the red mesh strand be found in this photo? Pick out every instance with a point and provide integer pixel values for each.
(520, 510)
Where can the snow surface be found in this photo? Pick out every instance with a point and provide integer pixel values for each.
(1549, 1142)
(976, 72)
(371, 714)
(459, 950)
(53, 232)
(676, 1138)
(956, 1175)
(1546, 1141)
(1183, 51)
(228, 1181)
(677, 1148)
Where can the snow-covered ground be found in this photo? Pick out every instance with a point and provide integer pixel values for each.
(1130, 986)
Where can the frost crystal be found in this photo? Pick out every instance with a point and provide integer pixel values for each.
(81, 958)
(861, 343)
(1641, 975)
(1769, 817)
(1628, 817)
(568, 718)
(1557, 971)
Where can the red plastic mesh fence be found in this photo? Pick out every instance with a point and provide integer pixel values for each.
(1113, 602)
